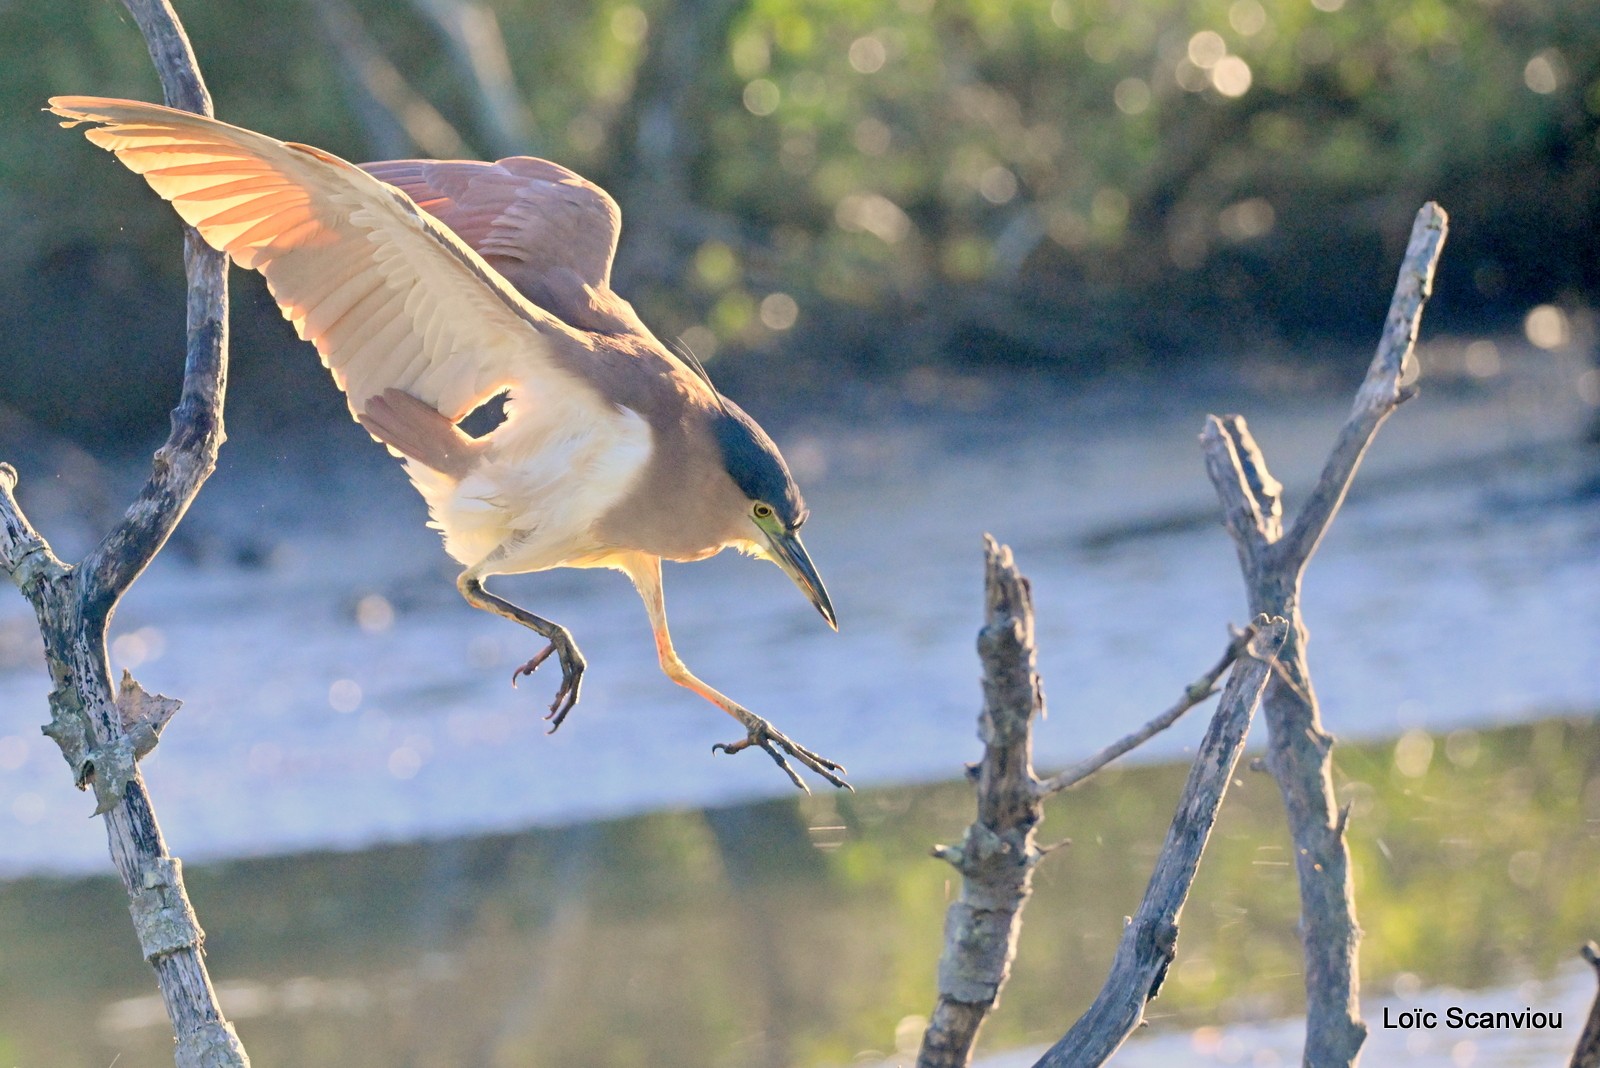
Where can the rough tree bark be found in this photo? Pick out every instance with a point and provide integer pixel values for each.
(102, 734)
(1299, 750)
(997, 856)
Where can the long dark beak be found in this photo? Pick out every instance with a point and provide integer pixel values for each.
(789, 554)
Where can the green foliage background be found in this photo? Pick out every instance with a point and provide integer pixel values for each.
(1043, 183)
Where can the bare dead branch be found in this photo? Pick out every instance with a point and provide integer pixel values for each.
(101, 735)
(1196, 692)
(190, 453)
(1587, 1055)
(1380, 393)
(997, 856)
(1149, 941)
(1299, 750)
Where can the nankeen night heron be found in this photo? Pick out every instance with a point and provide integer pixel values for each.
(431, 287)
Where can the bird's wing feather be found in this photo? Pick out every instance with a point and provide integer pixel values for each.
(549, 231)
(390, 298)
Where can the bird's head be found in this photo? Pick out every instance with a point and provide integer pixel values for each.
(774, 509)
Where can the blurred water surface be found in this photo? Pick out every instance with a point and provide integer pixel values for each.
(338, 692)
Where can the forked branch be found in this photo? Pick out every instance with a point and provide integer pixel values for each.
(1299, 751)
(103, 733)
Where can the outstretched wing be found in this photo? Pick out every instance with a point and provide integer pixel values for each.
(390, 298)
(551, 232)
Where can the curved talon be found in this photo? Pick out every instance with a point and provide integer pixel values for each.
(532, 665)
(572, 668)
(771, 740)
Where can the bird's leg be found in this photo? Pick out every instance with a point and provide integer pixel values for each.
(646, 575)
(561, 643)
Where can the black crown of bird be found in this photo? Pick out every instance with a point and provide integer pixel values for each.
(429, 287)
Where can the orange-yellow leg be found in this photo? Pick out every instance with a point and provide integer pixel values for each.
(646, 574)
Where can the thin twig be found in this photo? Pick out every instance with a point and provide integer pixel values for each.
(1196, 692)
(1149, 941)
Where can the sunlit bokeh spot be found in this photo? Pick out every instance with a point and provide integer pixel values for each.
(1247, 219)
(715, 265)
(761, 96)
(908, 1034)
(142, 646)
(1544, 72)
(1206, 49)
(1523, 868)
(629, 24)
(1132, 96)
(1231, 76)
(1413, 753)
(778, 311)
(867, 54)
(1247, 17)
(1589, 387)
(344, 695)
(997, 185)
(700, 340)
(374, 613)
(874, 214)
(1100, 44)
(1547, 327)
(405, 762)
(1061, 14)
(1327, 5)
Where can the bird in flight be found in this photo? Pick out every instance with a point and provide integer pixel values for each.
(429, 288)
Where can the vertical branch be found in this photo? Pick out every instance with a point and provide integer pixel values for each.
(1299, 750)
(997, 857)
(1150, 941)
(102, 734)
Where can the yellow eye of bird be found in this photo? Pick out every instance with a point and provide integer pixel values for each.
(763, 511)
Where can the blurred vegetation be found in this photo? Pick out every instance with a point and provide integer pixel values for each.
(804, 932)
(868, 186)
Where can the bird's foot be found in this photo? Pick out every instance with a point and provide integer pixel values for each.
(777, 744)
(572, 666)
